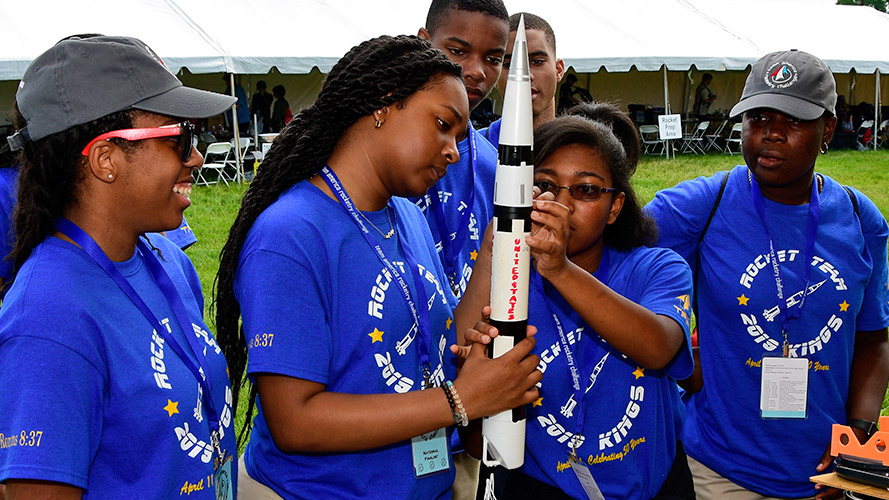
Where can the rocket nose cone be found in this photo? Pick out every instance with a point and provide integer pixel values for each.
(518, 66)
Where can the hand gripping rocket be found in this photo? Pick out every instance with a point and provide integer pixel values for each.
(504, 434)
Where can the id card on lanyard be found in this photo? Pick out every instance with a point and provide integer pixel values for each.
(583, 474)
(430, 451)
(784, 383)
(222, 463)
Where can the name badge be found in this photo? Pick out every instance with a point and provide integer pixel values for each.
(431, 453)
(586, 480)
(223, 480)
(785, 386)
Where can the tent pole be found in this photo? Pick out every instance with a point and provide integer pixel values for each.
(876, 109)
(237, 133)
(668, 146)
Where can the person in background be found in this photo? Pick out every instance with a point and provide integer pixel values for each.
(345, 306)
(280, 109)
(242, 108)
(791, 272)
(473, 34)
(261, 106)
(546, 70)
(704, 97)
(115, 385)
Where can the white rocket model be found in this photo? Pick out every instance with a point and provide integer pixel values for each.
(504, 434)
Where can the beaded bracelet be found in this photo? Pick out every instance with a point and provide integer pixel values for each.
(460, 416)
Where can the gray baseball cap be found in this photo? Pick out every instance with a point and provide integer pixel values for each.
(79, 80)
(793, 82)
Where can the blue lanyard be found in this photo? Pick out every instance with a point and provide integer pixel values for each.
(421, 313)
(574, 364)
(85, 242)
(785, 314)
(451, 247)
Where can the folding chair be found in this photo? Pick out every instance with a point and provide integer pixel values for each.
(651, 140)
(862, 132)
(734, 137)
(232, 161)
(694, 143)
(712, 139)
(215, 159)
(884, 134)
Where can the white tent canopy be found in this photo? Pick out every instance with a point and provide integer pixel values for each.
(605, 40)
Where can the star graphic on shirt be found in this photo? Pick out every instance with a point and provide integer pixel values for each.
(537, 402)
(742, 300)
(376, 335)
(448, 323)
(639, 373)
(172, 407)
(844, 306)
(473, 255)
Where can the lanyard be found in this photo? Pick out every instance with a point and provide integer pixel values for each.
(786, 314)
(421, 313)
(84, 241)
(451, 247)
(602, 274)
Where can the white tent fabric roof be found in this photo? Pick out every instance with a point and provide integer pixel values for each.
(252, 36)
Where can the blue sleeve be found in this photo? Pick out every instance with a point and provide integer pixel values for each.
(874, 312)
(667, 292)
(285, 317)
(681, 213)
(52, 412)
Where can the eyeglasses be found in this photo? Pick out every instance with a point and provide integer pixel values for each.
(581, 192)
(185, 130)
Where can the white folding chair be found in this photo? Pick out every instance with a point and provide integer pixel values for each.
(651, 140)
(734, 137)
(862, 130)
(712, 140)
(694, 143)
(883, 130)
(232, 161)
(215, 159)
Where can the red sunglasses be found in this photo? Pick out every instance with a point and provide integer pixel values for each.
(185, 130)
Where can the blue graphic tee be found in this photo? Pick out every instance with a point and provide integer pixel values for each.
(738, 320)
(92, 394)
(466, 198)
(631, 415)
(318, 304)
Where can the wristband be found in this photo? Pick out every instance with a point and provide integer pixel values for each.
(869, 427)
(459, 412)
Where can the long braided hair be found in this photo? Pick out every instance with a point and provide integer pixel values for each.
(377, 73)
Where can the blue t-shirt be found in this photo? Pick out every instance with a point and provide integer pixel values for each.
(631, 415)
(8, 191)
(492, 133)
(183, 236)
(469, 185)
(737, 302)
(92, 395)
(318, 304)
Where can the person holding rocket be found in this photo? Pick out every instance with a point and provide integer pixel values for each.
(607, 308)
(347, 315)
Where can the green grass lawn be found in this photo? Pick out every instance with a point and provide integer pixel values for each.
(214, 207)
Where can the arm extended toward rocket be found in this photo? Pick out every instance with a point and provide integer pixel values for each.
(503, 435)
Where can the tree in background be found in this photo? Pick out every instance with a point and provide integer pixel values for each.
(880, 5)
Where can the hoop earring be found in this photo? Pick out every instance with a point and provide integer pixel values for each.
(824, 148)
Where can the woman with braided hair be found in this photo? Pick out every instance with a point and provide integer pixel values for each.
(346, 311)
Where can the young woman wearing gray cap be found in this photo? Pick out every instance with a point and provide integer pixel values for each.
(112, 385)
(791, 279)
